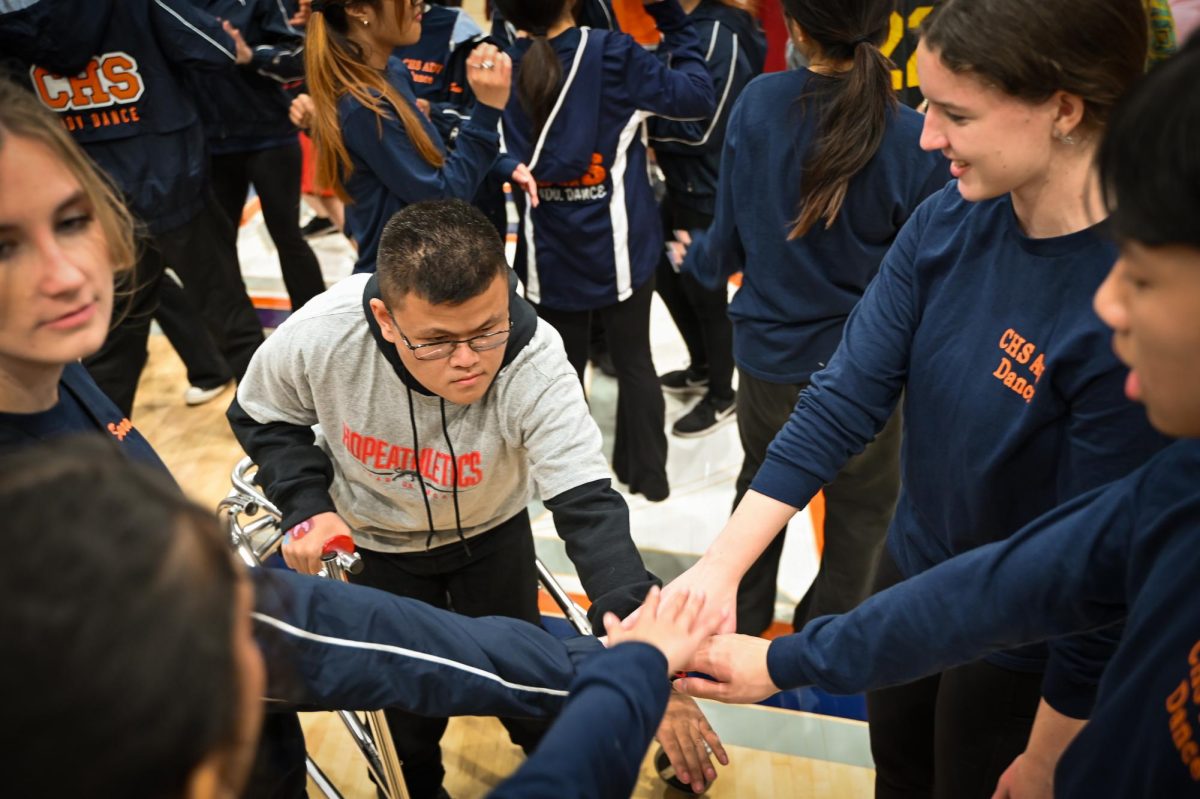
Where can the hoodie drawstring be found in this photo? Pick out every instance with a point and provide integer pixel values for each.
(412, 421)
(454, 468)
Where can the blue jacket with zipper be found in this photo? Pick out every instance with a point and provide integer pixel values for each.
(595, 236)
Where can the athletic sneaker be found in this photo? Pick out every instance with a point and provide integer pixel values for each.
(318, 226)
(198, 396)
(684, 382)
(709, 414)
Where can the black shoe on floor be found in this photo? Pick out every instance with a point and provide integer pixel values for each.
(318, 226)
(684, 382)
(709, 414)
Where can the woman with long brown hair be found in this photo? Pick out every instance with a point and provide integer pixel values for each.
(980, 318)
(374, 146)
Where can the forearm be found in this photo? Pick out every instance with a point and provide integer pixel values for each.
(754, 524)
(1052, 733)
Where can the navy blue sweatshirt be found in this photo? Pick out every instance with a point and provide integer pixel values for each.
(795, 295)
(689, 153)
(390, 174)
(595, 237)
(81, 408)
(1128, 551)
(595, 748)
(126, 105)
(1013, 399)
(247, 109)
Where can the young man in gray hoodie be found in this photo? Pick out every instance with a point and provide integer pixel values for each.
(419, 410)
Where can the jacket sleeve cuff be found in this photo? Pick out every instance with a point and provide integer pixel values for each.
(786, 483)
(668, 14)
(1066, 692)
(485, 118)
(304, 504)
(783, 660)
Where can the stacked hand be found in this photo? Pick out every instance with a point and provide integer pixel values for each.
(737, 669)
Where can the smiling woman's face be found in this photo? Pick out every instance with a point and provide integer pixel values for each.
(56, 270)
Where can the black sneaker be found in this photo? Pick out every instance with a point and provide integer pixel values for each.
(709, 414)
(684, 382)
(318, 226)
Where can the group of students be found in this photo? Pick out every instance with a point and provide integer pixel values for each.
(1034, 572)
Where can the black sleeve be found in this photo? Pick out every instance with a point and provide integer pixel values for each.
(593, 520)
(295, 473)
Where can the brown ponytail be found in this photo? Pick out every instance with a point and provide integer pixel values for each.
(539, 74)
(539, 78)
(853, 106)
(335, 66)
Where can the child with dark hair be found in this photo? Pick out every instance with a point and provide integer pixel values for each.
(808, 235)
(980, 318)
(441, 405)
(1122, 553)
(592, 244)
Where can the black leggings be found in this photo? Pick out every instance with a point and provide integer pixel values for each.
(952, 735)
(497, 578)
(640, 441)
(275, 173)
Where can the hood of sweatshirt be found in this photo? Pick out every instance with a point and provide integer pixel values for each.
(748, 29)
(61, 35)
(524, 324)
(563, 151)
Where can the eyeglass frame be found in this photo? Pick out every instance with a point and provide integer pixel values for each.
(454, 343)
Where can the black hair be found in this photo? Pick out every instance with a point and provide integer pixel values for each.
(539, 73)
(117, 598)
(444, 251)
(853, 106)
(1150, 157)
(1031, 49)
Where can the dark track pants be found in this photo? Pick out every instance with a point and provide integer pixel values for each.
(859, 504)
(497, 578)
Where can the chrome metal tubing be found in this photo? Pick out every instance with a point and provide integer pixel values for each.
(572, 611)
(320, 780)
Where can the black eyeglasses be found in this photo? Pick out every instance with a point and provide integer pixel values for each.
(444, 349)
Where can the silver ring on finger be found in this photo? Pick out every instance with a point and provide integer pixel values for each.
(487, 65)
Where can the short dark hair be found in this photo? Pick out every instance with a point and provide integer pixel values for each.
(1031, 49)
(117, 597)
(444, 251)
(1149, 160)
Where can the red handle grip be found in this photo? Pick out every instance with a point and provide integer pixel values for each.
(339, 543)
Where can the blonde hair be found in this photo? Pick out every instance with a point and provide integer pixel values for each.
(22, 115)
(334, 66)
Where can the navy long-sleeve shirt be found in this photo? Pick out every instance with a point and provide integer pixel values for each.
(795, 295)
(595, 748)
(1013, 399)
(1130, 550)
(390, 174)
